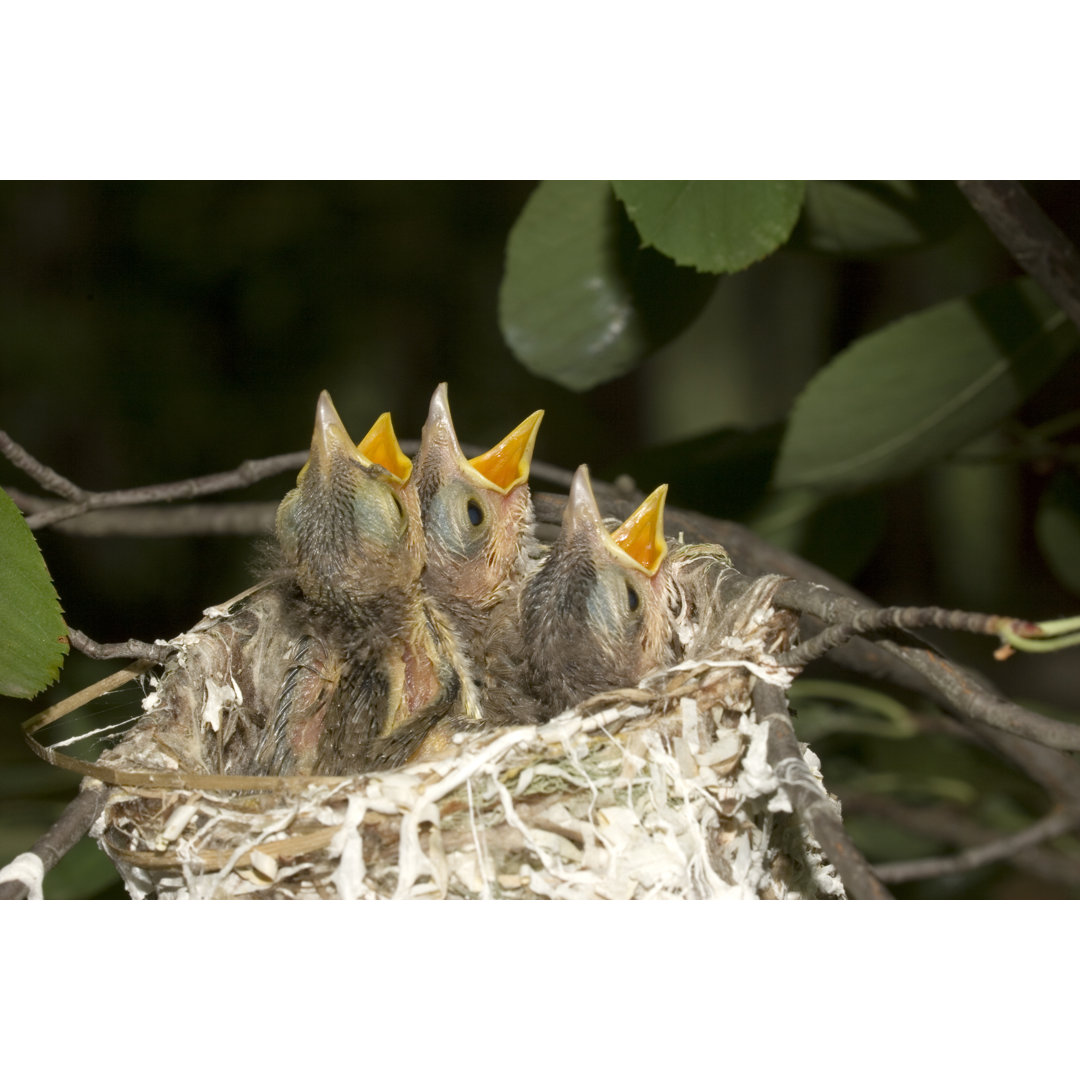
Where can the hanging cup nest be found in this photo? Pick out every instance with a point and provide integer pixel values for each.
(658, 790)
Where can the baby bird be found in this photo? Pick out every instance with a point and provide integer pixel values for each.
(477, 515)
(345, 529)
(599, 613)
(373, 665)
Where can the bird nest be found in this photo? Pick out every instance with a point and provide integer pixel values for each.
(658, 790)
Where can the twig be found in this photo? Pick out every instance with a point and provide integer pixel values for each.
(869, 621)
(942, 824)
(244, 475)
(1054, 824)
(125, 650)
(962, 693)
(1032, 239)
(810, 800)
(46, 477)
(70, 828)
(159, 522)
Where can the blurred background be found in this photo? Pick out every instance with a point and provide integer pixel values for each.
(153, 331)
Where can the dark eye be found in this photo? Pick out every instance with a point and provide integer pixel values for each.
(632, 597)
(476, 512)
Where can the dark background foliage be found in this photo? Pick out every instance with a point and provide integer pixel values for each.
(150, 332)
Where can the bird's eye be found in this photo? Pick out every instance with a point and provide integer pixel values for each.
(476, 512)
(632, 598)
(400, 508)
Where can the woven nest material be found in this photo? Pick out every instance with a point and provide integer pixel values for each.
(659, 790)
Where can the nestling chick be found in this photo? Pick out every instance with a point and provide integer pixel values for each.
(477, 514)
(374, 666)
(346, 530)
(599, 613)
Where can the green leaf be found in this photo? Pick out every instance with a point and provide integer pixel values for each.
(33, 637)
(921, 388)
(866, 218)
(714, 225)
(581, 302)
(1057, 529)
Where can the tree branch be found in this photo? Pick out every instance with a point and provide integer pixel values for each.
(942, 824)
(70, 828)
(49, 480)
(1055, 824)
(244, 475)
(809, 799)
(875, 620)
(964, 696)
(1032, 239)
(126, 650)
(159, 522)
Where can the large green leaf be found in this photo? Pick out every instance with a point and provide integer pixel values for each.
(33, 637)
(1057, 529)
(863, 218)
(714, 225)
(581, 302)
(921, 388)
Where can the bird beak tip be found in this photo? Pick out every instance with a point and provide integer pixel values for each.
(581, 509)
(641, 535)
(506, 465)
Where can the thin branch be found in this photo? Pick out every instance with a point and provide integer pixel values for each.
(46, 477)
(1051, 826)
(942, 824)
(968, 699)
(1032, 239)
(244, 475)
(809, 798)
(126, 650)
(70, 828)
(869, 621)
(160, 522)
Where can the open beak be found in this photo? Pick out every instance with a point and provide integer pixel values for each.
(641, 535)
(380, 446)
(502, 468)
(637, 543)
(506, 464)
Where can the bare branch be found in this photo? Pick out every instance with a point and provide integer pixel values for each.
(943, 824)
(870, 620)
(46, 477)
(126, 650)
(158, 522)
(1032, 239)
(1052, 825)
(809, 798)
(70, 828)
(963, 694)
(244, 475)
